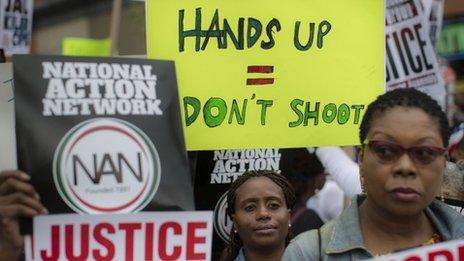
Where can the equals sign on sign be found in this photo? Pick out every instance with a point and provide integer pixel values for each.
(264, 69)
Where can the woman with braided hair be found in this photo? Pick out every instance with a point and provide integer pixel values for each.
(259, 204)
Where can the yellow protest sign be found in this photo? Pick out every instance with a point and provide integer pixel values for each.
(268, 73)
(86, 47)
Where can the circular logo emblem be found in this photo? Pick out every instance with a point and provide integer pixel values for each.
(106, 165)
(222, 222)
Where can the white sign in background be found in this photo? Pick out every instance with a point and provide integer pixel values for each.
(434, 16)
(411, 59)
(427, 6)
(16, 26)
(7, 130)
(144, 236)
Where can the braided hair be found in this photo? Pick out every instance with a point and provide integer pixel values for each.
(407, 97)
(235, 243)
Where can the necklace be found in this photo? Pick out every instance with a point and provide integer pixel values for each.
(435, 238)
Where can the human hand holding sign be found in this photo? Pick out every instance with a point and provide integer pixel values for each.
(17, 199)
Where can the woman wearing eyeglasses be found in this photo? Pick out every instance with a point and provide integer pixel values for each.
(403, 135)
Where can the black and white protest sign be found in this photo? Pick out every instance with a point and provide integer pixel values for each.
(101, 135)
(411, 60)
(16, 26)
(434, 13)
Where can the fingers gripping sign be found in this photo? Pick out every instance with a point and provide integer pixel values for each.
(17, 199)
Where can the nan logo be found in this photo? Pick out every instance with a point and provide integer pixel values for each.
(222, 222)
(106, 165)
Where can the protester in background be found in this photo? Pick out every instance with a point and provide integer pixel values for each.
(341, 169)
(259, 204)
(458, 98)
(403, 134)
(17, 199)
(452, 190)
(328, 202)
(456, 144)
(307, 176)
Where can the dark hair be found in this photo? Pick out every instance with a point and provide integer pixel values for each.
(303, 169)
(408, 97)
(234, 244)
(300, 164)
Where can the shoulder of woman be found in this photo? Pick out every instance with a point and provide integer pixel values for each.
(447, 220)
(306, 246)
(302, 247)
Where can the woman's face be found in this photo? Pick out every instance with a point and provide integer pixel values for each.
(403, 186)
(261, 216)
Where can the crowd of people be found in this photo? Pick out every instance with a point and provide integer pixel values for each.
(404, 138)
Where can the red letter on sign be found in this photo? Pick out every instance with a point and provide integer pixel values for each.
(149, 241)
(461, 253)
(97, 234)
(162, 241)
(412, 258)
(55, 253)
(129, 228)
(69, 242)
(192, 240)
(441, 253)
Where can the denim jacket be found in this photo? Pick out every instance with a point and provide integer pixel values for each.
(341, 239)
(240, 256)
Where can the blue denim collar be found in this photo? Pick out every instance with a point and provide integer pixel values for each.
(240, 256)
(346, 235)
(448, 222)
